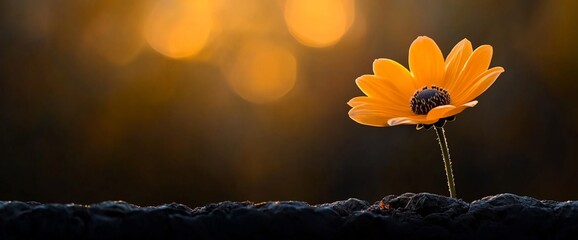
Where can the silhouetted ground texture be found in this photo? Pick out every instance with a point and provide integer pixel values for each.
(408, 216)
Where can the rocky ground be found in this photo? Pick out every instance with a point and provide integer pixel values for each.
(408, 216)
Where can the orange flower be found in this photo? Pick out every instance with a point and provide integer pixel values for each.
(434, 91)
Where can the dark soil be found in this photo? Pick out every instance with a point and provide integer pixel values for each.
(409, 216)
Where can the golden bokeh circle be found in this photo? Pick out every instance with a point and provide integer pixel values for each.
(179, 28)
(319, 23)
(263, 72)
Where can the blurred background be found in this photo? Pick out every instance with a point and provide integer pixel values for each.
(199, 101)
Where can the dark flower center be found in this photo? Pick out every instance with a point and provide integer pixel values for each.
(426, 99)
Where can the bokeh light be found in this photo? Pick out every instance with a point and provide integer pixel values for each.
(319, 23)
(180, 28)
(263, 72)
(114, 33)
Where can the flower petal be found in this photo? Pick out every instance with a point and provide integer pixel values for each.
(377, 87)
(378, 104)
(370, 117)
(426, 62)
(460, 109)
(415, 119)
(394, 72)
(456, 60)
(477, 63)
(448, 110)
(482, 83)
(439, 112)
(470, 104)
(357, 101)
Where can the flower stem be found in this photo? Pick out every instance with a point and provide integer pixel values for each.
(447, 162)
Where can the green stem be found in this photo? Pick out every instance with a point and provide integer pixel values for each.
(447, 162)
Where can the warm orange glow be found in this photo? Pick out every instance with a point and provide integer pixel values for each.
(179, 28)
(263, 72)
(319, 23)
(115, 33)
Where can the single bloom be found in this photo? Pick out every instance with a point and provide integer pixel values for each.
(430, 92)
